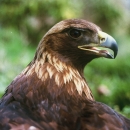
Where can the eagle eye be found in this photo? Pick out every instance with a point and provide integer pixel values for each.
(75, 33)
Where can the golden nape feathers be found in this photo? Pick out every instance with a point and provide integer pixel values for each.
(51, 93)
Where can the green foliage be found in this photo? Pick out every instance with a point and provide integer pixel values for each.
(34, 18)
(14, 56)
(104, 13)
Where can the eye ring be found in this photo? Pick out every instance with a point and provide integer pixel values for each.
(75, 33)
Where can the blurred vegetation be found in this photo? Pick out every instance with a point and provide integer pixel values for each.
(23, 23)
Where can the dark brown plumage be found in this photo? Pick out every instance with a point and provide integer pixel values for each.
(51, 93)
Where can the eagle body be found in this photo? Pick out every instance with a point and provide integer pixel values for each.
(51, 93)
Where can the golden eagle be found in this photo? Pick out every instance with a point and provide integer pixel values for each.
(51, 93)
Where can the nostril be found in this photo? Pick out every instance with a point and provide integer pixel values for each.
(102, 39)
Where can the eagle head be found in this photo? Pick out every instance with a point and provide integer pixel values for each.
(63, 52)
(77, 42)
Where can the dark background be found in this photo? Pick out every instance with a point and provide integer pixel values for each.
(23, 23)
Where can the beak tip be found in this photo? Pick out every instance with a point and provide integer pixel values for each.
(115, 49)
(115, 54)
(111, 44)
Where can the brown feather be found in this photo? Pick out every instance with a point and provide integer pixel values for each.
(51, 92)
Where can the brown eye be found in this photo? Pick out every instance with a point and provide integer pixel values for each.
(74, 33)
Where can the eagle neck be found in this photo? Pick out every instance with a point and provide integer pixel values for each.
(60, 77)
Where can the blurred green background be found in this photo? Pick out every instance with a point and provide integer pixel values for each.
(23, 23)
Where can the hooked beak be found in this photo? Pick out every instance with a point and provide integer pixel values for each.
(101, 49)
